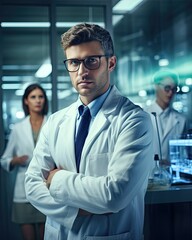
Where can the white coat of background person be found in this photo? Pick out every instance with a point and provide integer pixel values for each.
(18, 154)
(170, 123)
(105, 198)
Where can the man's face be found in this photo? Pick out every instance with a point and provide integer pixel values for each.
(166, 90)
(90, 83)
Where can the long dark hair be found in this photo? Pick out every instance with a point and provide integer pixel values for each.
(28, 90)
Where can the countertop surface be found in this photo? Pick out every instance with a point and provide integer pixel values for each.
(172, 194)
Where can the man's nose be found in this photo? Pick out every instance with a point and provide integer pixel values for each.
(82, 69)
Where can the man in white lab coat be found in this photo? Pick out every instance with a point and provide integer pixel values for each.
(104, 197)
(168, 123)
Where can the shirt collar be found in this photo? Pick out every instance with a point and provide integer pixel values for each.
(160, 111)
(95, 105)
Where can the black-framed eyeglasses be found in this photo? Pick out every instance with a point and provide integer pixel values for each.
(90, 62)
(168, 88)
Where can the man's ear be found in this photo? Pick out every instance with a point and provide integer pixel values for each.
(112, 63)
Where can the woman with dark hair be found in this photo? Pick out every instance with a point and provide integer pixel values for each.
(18, 154)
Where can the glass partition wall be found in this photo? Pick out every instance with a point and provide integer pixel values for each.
(25, 48)
(148, 37)
(31, 52)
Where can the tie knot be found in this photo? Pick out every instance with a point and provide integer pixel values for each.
(84, 111)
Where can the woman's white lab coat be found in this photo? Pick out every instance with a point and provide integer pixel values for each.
(20, 143)
(113, 176)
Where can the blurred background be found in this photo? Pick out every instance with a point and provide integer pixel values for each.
(148, 35)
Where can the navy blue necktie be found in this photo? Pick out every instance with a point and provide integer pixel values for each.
(82, 134)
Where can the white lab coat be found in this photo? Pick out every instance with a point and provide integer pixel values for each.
(175, 127)
(20, 143)
(113, 176)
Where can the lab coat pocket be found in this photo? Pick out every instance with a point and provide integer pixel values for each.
(98, 164)
(123, 236)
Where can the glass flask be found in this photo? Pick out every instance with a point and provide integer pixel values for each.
(161, 177)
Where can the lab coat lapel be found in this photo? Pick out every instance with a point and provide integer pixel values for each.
(28, 132)
(171, 122)
(66, 135)
(99, 123)
(158, 127)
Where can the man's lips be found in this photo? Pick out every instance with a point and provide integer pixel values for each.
(84, 83)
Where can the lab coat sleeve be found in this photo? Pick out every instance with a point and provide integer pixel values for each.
(36, 191)
(9, 152)
(128, 171)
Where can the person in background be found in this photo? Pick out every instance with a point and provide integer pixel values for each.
(18, 154)
(171, 125)
(101, 194)
(168, 123)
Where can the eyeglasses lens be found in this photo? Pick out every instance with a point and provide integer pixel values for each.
(91, 63)
(168, 88)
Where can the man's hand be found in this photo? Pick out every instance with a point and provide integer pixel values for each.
(51, 174)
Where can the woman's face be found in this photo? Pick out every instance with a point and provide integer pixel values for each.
(35, 101)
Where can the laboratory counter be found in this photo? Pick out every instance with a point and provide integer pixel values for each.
(168, 213)
(173, 194)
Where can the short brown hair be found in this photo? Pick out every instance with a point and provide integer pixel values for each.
(85, 32)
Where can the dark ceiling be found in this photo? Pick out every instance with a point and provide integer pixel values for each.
(153, 17)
